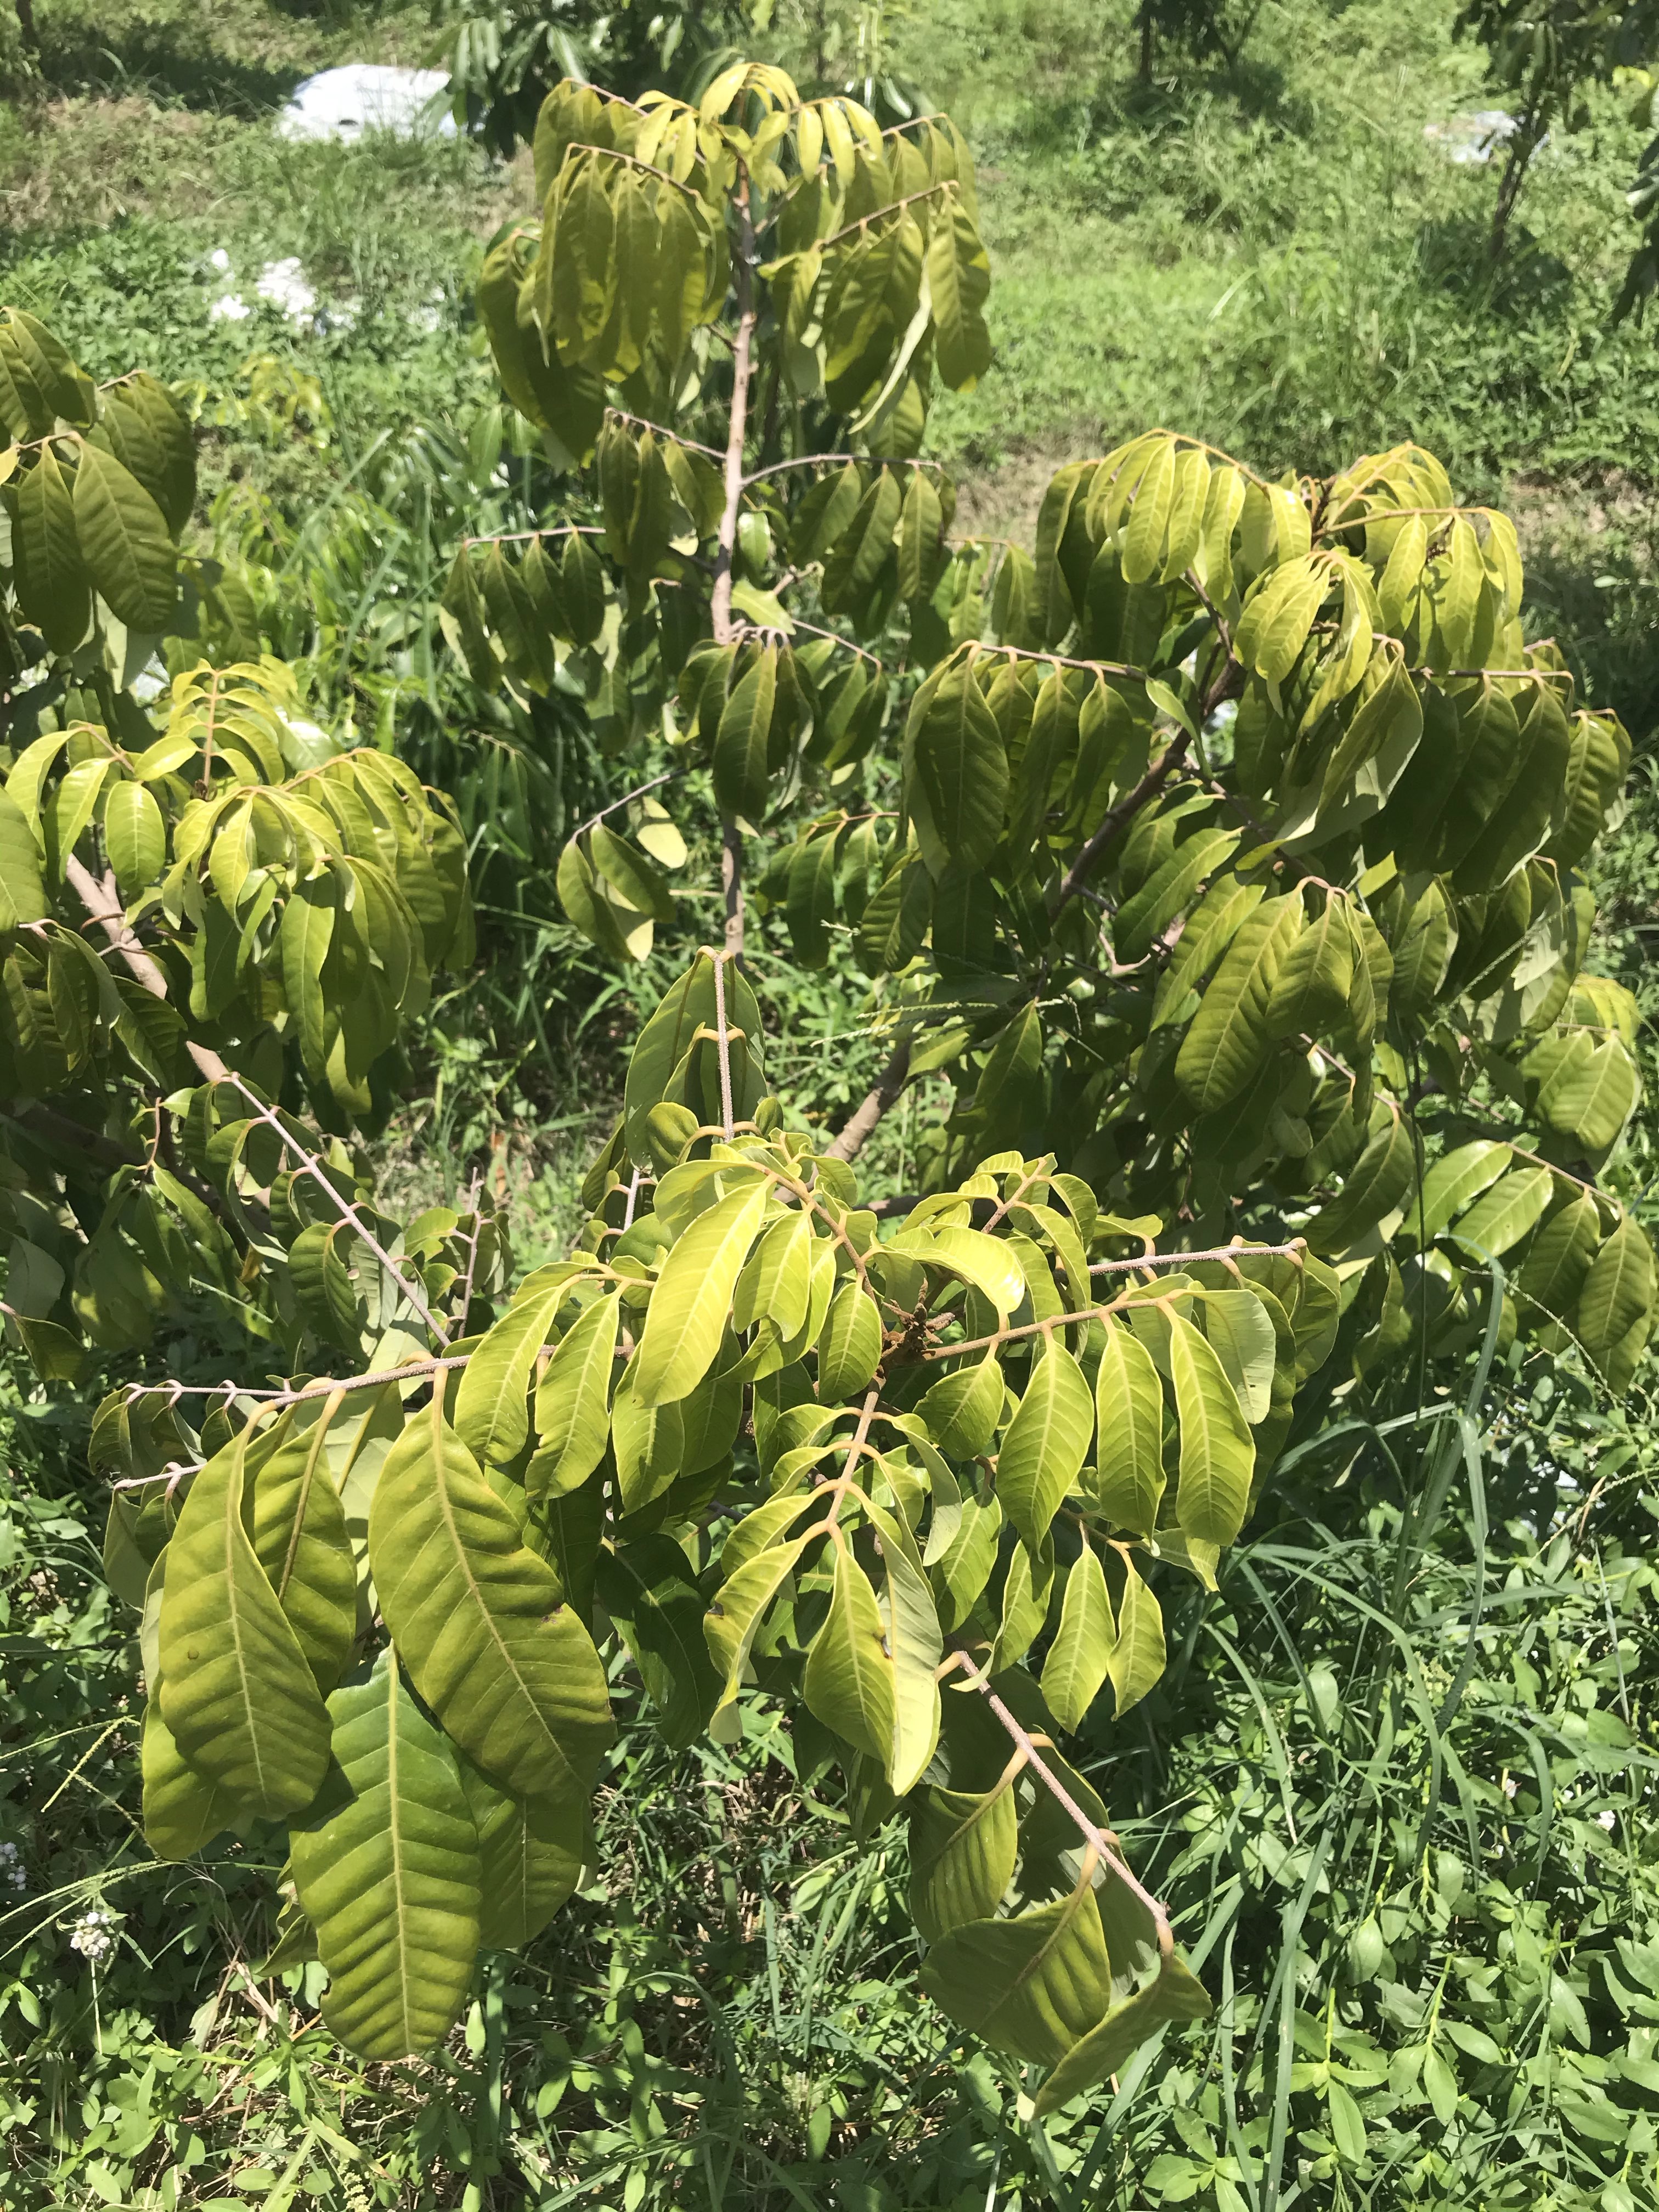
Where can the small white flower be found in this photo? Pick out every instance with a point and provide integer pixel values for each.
(1509, 1785)
(92, 1938)
(219, 260)
(11, 1867)
(1608, 1820)
(233, 308)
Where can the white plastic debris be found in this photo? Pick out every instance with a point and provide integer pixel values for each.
(1472, 138)
(282, 283)
(229, 307)
(220, 259)
(344, 103)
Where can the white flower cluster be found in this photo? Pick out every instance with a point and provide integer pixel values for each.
(11, 1868)
(92, 1936)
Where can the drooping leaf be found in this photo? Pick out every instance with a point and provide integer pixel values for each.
(292, 1513)
(1033, 1985)
(961, 766)
(492, 1417)
(1079, 1656)
(1128, 1482)
(648, 1589)
(237, 1692)
(962, 1850)
(1230, 1036)
(1217, 1452)
(1138, 1656)
(847, 1680)
(1046, 1443)
(572, 1402)
(693, 1295)
(480, 1621)
(388, 1872)
(183, 1810)
(530, 1854)
(124, 541)
(1176, 1994)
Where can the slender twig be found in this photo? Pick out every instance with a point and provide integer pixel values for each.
(642, 423)
(1213, 611)
(1329, 528)
(723, 1046)
(824, 460)
(101, 902)
(1181, 1259)
(835, 636)
(610, 154)
(880, 215)
(410, 1371)
(857, 1446)
(553, 530)
(475, 1191)
(347, 1209)
(1045, 1327)
(1061, 660)
(1102, 1840)
(627, 800)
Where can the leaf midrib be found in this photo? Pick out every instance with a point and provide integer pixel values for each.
(446, 1517)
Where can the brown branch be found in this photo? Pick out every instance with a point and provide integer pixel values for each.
(1102, 1840)
(102, 902)
(1058, 660)
(309, 1165)
(611, 154)
(835, 638)
(553, 530)
(856, 1133)
(411, 1371)
(1148, 787)
(880, 215)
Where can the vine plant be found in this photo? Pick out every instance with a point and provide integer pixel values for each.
(1228, 855)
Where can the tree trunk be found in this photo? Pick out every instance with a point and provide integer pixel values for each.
(1148, 40)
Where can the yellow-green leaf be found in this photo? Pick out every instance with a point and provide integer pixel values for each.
(693, 1297)
(1217, 1452)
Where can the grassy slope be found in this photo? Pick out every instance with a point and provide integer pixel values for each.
(1277, 260)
